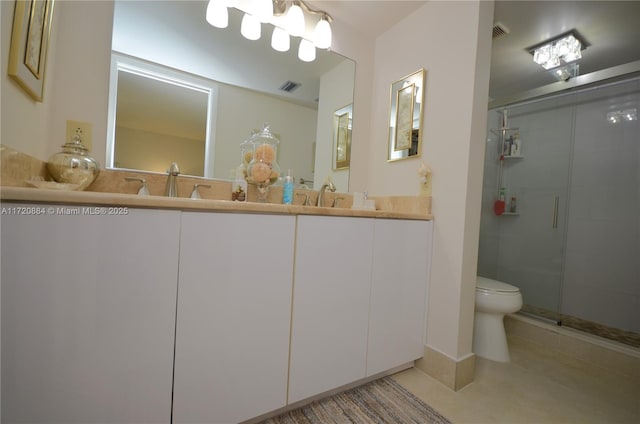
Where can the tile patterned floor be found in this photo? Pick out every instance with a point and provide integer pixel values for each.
(538, 386)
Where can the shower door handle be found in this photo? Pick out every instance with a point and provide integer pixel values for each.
(556, 202)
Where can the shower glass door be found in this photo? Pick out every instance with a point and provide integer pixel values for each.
(526, 248)
(572, 246)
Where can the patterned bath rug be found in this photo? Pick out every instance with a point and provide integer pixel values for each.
(382, 401)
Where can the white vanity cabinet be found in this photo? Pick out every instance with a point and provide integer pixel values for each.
(125, 315)
(234, 316)
(399, 281)
(88, 309)
(331, 303)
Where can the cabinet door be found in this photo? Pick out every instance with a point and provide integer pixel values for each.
(401, 263)
(331, 303)
(88, 314)
(234, 316)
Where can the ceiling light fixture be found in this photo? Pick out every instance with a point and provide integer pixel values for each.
(565, 48)
(289, 18)
(618, 116)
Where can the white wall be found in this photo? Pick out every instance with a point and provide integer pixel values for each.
(454, 132)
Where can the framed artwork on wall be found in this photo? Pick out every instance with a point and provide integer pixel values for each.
(29, 44)
(405, 116)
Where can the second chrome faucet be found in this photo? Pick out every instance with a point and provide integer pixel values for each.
(328, 185)
(171, 189)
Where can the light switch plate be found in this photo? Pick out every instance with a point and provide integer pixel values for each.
(84, 129)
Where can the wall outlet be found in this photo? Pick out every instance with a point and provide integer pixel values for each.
(83, 129)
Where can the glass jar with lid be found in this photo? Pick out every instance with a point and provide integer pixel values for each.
(74, 165)
(246, 155)
(263, 169)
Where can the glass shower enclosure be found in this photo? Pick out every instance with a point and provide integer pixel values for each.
(572, 241)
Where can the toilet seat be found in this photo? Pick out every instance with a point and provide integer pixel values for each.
(487, 285)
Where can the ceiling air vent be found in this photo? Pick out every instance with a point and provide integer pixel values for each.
(499, 29)
(289, 86)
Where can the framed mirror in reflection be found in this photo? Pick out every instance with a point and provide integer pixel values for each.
(405, 116)
(158, 116)
(342, 137)
(245, 77)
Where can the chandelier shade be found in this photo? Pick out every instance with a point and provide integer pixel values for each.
(322, 34)
(250, 27)
(217, 14)
(306, 51)
(280, 40)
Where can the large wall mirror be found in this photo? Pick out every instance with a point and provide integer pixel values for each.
(405, 116)
(242, 83)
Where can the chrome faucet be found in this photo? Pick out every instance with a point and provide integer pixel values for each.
(171, 189)
(328, 185)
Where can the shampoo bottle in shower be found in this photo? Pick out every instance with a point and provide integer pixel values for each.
(515, 147)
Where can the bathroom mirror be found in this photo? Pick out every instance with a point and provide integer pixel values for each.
(405, 116)
(175, 35)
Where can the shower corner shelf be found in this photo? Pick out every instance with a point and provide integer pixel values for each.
(503, 130)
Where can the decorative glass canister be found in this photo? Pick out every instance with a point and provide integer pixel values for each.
(263, 169)
(73, 165)
(246, 156)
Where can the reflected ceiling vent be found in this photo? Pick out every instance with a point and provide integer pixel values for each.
(499, 29)
(289, 86)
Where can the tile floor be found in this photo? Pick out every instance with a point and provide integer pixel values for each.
(538, 386)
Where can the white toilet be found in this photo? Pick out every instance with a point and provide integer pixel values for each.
(494, 299)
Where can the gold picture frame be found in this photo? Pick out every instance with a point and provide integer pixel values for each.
(29, 44)
(406, 100)
(342, 138)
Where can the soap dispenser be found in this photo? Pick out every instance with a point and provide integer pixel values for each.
(287, 191)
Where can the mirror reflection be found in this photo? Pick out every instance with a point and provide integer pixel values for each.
(245, 79)
(159, 117)
(405, 116)
(342, 137)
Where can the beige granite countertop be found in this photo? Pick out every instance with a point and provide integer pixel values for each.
(18, 170)
(34, 195)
